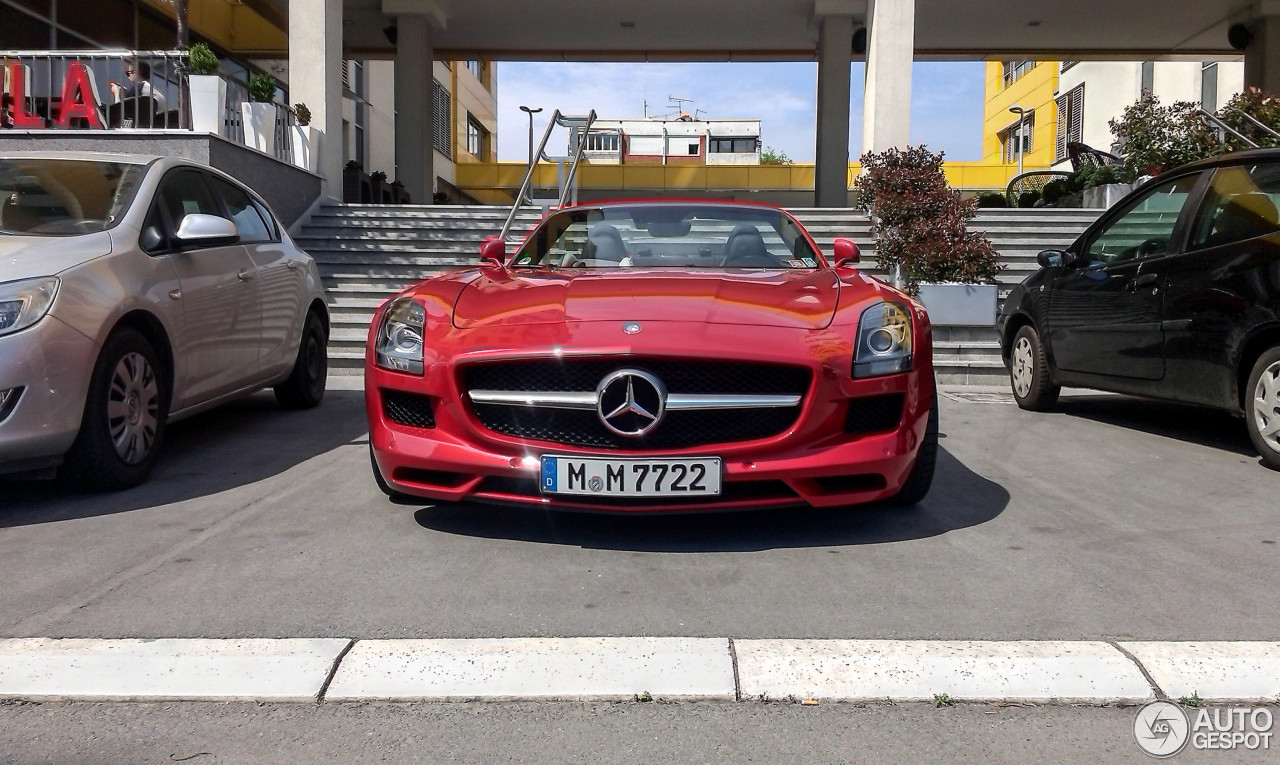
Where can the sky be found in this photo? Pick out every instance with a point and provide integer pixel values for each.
(946, 100)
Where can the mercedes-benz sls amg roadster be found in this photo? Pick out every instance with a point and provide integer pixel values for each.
(654, 356)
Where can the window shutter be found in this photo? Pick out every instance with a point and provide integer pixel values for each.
(441, 120)
(1064, 109)
(1077, 113)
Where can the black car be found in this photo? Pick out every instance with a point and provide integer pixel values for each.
(1174, 293)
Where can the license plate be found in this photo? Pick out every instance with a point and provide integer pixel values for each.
(630, 477)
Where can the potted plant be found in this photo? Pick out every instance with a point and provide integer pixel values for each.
(922, 236)
(398, 195)
(306, 139)
(354, 183)
(208, 91)
(377, 184)
(259, 113)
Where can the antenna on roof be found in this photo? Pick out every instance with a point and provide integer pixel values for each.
(679, 102)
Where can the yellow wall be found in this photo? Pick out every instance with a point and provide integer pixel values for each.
(1034, 90)
(477, 98)
(498, 181)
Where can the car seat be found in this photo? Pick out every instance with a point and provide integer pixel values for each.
(745, 249)
(604, 243)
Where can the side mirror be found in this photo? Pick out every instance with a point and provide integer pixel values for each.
(150, 239)
(493, 252)
(847, 253)
(199, 230)
(1057, 259)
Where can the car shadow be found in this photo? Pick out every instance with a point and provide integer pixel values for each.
(1193, 424)
(959, 499)
(234, 445)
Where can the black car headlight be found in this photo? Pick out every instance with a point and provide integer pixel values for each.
(398, 345)
(25, 303)
(884, 341)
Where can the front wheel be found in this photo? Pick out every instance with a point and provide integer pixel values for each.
(1262, 407)
(124, 416)
(921, 478)
(305, 387)
(1033, 389)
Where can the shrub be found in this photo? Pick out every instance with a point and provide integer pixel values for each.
(1028, 198)
(378, 176)
(1157, 138)
(262, 87)
(992, 199)
(202, 60)
(771, 156)
(921, 222)
(1263, 108)
(302, 114)
(353, 164)
(1054, 191)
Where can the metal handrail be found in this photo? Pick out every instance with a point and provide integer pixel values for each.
(1216, 122)
(522, 194)
(1261, 126)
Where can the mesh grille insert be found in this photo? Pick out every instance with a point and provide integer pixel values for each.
(874, 413)
(410, 409)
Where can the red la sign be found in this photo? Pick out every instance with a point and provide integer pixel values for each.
(79, 99)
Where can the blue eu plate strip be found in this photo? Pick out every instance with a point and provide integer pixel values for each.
(548, 473)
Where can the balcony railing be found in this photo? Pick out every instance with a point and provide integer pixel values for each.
(41, 80)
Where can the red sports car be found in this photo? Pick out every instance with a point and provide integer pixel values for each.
(654, 356)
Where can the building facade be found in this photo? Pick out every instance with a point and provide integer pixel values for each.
(678, 140)
(1031, 86)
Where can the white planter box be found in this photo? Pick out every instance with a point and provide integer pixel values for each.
(960, 305)
(208, 100)
(306, 147)
(1105, 196)
(259, 126)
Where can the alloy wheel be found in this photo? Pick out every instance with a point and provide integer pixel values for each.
(1266, 406)
(1023, 367)
(133, 408)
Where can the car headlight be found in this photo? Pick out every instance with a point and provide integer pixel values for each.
(884, 341)
(399, 342)
(24, 303)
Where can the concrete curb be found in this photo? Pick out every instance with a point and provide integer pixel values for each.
(304, 669)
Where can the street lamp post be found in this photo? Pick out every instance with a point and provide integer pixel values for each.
(1022, 140)
(530, 112)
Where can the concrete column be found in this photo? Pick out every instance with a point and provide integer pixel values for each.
(315, 78)
(414, 100)
(886, 101)
(831, 154)
(1262, 55)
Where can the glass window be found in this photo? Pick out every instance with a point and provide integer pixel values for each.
(243, 213)
(1241, 204)
(272, 226)
(185, 193)
(475, 137)
(1145, 228)
(64, 197)
(668, 235)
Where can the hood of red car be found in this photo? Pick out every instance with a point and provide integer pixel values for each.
(773, 298)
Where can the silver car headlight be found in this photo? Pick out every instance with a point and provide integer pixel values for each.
(24, 303)
(884, 341)
(398, 345)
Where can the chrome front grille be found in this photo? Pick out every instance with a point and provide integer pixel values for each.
(704, 402)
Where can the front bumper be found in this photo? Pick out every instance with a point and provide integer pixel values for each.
(815, 462)
(52, 364)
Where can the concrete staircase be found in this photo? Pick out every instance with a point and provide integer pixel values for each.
(366, 252)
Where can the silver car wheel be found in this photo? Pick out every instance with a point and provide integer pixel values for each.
(1266, 406)
(133, 408)
(1023, 367)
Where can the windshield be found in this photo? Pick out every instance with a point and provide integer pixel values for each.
(668, 235)
(64, 197)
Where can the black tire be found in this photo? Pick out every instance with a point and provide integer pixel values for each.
(1260, 414)
(305, 387)
(399, 498)
(1033, 387)
(921, 478)
(94, 460)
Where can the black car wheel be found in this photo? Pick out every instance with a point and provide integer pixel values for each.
(921, 478)
(1262, 407)
(305, 387)
(1029, 372)
(124, 416)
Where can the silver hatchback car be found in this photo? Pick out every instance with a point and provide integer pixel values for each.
(135, 291)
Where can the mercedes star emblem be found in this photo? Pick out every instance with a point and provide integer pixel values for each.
(631, 402)
(632, 327)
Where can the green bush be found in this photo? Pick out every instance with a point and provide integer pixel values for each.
(921, 223)
(1028, 198)
(1263, 108)
(992, 199)
(1158, 138)
(1055, 190)
(302, 114)
(262, 87)
(202, 59)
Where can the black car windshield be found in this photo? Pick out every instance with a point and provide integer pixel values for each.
(668, 235)
(64, 197)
